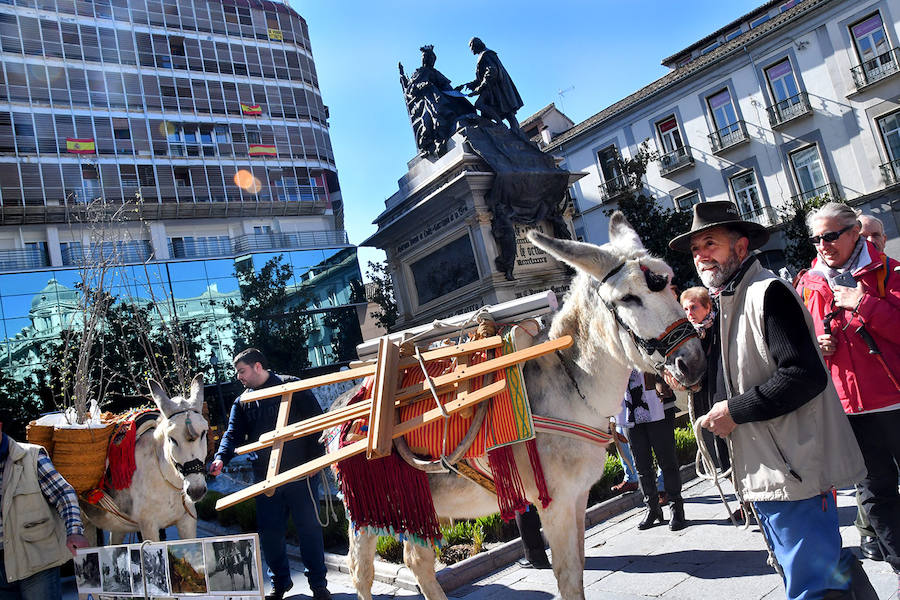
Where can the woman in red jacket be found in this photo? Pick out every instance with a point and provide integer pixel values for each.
(853, 293)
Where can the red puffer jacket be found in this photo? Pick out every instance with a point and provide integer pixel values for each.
(864, 381)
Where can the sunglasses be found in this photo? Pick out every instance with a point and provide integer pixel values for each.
(831, 236)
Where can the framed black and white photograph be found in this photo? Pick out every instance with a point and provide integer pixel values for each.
(87, 571)
(137, 581)
(115, 572)
(187, 569)
(232, 565)
(154, 560)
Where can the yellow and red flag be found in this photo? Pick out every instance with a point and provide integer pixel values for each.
(81, 145)
(263, 150)
(251, 109)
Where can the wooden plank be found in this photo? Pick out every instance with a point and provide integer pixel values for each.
(284, 414)
(365, 371)
(361, 409)
(382, 415)
(495, 364)
(357, 447)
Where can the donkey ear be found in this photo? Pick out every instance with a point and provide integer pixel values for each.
(197, 392)
(622, 234)
(585, 257)
(161, 398)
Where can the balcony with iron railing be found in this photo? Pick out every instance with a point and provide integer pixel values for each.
(890, 171)
(728, 137)
(613, 188)
(766, 216)
(875, 69)
(829, 190)
(20, 260)
(257, 241)
(294, 239)
(138, 251)
(789, 109)
(675, 160)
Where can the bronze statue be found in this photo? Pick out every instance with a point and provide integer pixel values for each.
(434, 106)
(498, 97)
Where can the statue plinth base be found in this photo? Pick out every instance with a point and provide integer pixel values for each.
(441, 250)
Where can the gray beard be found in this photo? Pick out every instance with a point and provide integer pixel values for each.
(716, 279)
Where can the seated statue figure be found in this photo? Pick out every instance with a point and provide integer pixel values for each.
(434, 106)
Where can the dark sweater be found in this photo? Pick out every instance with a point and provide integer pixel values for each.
(799, 374)
(250, 420)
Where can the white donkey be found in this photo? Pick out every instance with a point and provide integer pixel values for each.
(622, 315)
(170, 475)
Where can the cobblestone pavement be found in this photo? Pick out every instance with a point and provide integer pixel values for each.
(710, 559)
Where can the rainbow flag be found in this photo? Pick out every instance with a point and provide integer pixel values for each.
(263, 150)
(81, 145)
(251, 109)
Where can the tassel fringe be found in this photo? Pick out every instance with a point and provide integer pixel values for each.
(510, 492)
(538, 470)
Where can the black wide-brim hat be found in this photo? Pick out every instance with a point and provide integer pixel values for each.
(708, 215)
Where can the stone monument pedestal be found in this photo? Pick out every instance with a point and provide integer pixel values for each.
(437, 233)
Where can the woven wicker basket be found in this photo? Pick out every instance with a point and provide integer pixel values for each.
(42, 435)
(80, 455)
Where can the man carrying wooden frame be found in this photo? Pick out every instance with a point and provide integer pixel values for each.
(247, 421)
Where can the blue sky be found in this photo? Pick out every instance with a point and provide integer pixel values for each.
(594, 52)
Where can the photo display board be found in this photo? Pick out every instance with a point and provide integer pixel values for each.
(214, 568)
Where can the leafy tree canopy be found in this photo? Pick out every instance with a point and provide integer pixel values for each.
(654, 224)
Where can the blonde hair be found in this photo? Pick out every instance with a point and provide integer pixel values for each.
(699, 293)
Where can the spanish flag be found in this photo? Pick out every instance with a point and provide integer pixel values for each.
(251, 109)
(263, 150)
(81, 145)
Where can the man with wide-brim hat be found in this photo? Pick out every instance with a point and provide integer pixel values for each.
(720, 214)
(772, 397)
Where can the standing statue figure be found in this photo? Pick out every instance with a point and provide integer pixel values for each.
(498, 97)
(434, 106)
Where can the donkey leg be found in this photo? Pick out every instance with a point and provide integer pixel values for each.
(186, 526)
(420, 561)
(563, 524)
(361, 562)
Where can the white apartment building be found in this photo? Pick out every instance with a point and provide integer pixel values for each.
(790, 101)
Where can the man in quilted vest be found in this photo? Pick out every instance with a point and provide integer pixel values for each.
(40, 527)
(853, 292)
(771, 396)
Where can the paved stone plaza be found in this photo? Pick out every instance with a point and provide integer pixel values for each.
(710, 560)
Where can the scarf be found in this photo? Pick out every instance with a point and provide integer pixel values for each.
(706, 323)
(858, 259)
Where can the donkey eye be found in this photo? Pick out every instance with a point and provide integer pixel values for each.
(174, 441)
(631, 299)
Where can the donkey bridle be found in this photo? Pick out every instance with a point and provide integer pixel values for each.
(194, 465)
(668, 342)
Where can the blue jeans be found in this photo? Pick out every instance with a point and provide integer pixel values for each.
(44, 585)
(272, 518)
(807, 543)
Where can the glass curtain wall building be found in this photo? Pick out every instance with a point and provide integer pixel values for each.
(201, 125)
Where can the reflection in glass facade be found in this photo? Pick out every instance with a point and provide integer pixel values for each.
(37, 306)
(201, 124)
